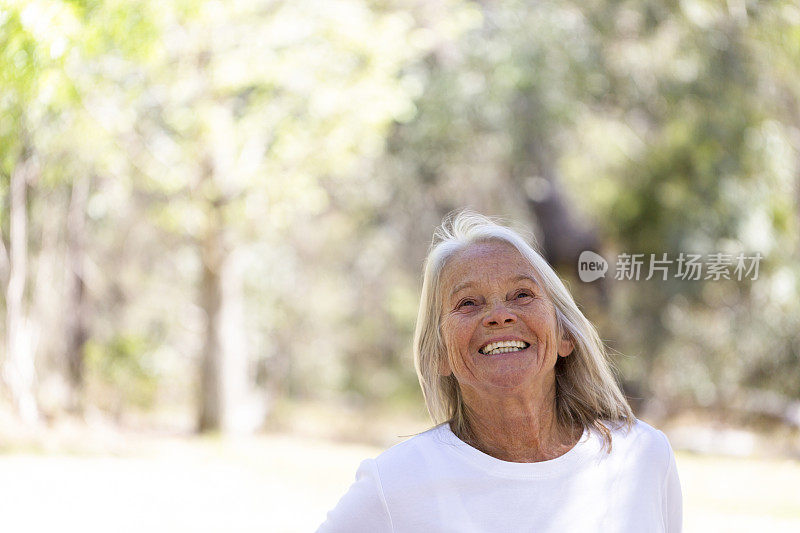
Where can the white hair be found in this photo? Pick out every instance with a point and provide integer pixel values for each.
(587, 393)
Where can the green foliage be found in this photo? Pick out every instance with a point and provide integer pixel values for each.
(121, 373)
(321, 142)
(655, 117)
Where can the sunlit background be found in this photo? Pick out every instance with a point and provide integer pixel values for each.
(214, 217)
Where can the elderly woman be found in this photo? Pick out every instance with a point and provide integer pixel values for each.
(534, 433)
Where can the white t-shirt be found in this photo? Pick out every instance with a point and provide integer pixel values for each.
(434, 482)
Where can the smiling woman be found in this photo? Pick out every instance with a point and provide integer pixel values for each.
(502, 342)
(534, 433)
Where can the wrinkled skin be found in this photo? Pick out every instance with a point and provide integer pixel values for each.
(490, 292)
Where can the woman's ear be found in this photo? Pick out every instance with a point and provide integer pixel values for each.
(444, 366)
(565, 347)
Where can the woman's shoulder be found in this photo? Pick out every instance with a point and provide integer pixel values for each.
(415, 454)
(639, 430)
(640, 439)
(414, 445)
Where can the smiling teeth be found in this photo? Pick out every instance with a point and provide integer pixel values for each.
(503, 347)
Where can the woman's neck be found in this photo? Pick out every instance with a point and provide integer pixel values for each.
(515, 430)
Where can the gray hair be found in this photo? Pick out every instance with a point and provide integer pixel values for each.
(587, 393)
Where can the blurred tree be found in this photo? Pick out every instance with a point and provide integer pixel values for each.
(239, 115)
(32, 41)
(204, 196)
(52, 152)
(643, 124)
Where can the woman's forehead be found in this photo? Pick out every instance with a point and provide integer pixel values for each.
(493, 261)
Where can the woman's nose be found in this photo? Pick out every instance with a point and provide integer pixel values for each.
(499, 315)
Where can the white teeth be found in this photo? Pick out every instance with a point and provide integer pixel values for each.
(503, 350)
(503, 347)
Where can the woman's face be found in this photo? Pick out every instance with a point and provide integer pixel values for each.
(498, 326)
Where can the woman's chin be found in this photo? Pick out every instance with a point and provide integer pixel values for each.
(511, 378)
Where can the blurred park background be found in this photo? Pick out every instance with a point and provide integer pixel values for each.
(214, 217)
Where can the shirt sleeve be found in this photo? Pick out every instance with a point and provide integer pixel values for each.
(673, 499)
(363, 508)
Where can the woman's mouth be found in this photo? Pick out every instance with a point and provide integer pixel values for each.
(495, 348)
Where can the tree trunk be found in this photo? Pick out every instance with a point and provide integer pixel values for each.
(564, 236)
(77, 321)
(224, 374)
(19, 372)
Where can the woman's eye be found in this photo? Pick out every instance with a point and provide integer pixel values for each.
(466, 303)
(524, 294)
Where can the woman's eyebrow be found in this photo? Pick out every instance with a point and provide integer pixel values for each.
(461, 286)
(528, 278)
(466, 284)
